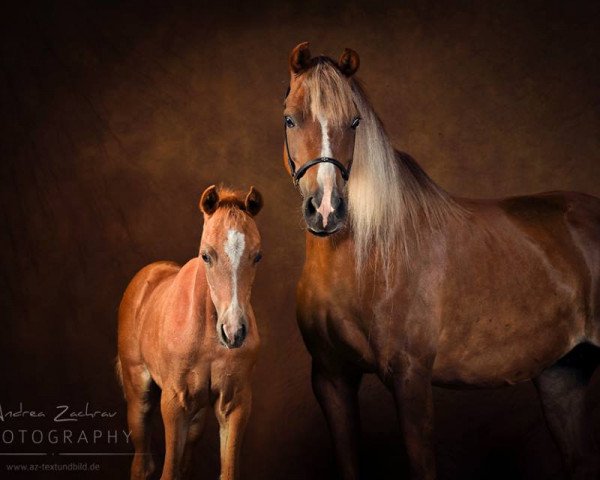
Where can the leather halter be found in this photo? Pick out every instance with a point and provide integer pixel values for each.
(298, 174)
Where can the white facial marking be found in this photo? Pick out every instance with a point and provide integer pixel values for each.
(325, 174)
(234, 248)
(325, 145)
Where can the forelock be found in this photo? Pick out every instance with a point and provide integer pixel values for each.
(328, 93)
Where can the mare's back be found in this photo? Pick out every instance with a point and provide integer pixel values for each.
(553, 237)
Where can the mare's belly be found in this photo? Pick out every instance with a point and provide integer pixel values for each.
(502, 350)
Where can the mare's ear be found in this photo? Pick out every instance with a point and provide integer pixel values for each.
(209, 200)
(253, 202)
(349, 62)
(299, 58)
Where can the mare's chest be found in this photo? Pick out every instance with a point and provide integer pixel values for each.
(335, 321)
(371, 322)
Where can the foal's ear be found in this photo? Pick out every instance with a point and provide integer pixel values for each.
(299, 58)
(209, 200)
(253, 202)
(349, 62)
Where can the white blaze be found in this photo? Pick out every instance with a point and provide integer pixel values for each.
(325, 174)
(234, 248)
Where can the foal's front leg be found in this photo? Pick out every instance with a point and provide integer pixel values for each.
(232, 413)
(195, 430)
(176, 421)
(411, 387)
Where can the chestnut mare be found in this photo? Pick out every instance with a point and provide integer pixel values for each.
(188, 340)
(419, 287)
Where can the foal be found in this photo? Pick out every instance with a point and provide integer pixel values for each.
(188, 339)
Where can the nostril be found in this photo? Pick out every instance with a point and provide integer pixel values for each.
(223, 334)
(310, 207)
(241, 334)
(336, 201)
(340, 207)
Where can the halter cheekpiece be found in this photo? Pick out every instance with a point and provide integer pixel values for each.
(298, 174)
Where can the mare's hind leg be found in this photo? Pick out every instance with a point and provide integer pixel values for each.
(142, 396)
(562, 389)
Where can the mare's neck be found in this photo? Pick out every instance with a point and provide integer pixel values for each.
(324, 250)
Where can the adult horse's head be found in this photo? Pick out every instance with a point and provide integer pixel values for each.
(230, 250)
(321, 120)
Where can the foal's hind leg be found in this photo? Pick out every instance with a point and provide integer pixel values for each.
(562, 389)
(142, 397)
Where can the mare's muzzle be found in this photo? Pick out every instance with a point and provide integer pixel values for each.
(315, 222)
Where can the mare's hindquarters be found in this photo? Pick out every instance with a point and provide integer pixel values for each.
(583, 219)
(563, 386)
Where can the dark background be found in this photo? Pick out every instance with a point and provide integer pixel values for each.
(115, 116)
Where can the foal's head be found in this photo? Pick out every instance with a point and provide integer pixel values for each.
(321, 119)
(230, 249)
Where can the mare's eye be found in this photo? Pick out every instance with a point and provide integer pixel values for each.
(206, 258)
(289, 123)
(355, 123)
(258, 257)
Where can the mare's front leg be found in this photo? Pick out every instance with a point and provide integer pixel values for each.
(411, 387)
(232, 412)
(176, 420)
(336, 389)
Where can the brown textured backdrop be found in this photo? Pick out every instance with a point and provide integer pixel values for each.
(114, 117)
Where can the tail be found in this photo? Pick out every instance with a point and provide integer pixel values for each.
(119, 370)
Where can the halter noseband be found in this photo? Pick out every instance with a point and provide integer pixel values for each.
(298, 174)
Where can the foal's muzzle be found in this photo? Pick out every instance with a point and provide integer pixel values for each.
(233, 335)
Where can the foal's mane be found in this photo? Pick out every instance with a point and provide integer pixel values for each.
(393, 204)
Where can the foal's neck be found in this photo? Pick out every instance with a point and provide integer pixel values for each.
(202, 308)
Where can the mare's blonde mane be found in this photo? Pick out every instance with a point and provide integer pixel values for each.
(392, 201)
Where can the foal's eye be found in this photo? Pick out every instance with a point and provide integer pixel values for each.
(205, 258)
(289, 122)
(258, 257)
(355, 123)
